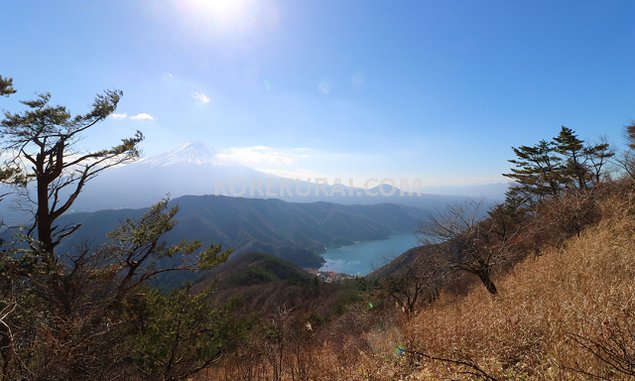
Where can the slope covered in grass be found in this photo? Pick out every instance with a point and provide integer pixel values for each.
(565, 312)
(549, 308)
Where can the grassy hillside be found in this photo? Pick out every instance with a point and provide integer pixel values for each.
(554, 309)
(530, 330)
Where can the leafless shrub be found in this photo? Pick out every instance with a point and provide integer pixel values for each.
(417, 284)
(466, 243)
(613, 347)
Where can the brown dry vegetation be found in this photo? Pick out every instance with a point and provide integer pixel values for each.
(554, 309)
(528, 331)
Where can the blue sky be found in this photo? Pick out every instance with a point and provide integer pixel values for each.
(436, 90)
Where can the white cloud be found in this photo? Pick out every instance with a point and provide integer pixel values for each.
(255, 156)
(286, 163)
(139, 116)
(142, 116)
(324, 87)
(200, 97)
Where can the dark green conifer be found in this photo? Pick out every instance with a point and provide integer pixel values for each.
(574, 168)
(537, 171)
(6, 86)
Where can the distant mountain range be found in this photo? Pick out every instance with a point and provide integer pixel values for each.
(297, 232)
(492, 191)
(193, 169)
(291, 219)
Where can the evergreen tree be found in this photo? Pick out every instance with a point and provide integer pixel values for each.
(6, 86)
(8, 173)
(574, 170)
(585, 164)
(179, 334)
(537, 171)
(78, 319)
(40, 142)
(545, 169)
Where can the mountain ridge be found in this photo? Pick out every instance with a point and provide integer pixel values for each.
(192, 152)
(297, 232)
(194, 169)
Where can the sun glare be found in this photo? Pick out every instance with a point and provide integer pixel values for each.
(223, 15)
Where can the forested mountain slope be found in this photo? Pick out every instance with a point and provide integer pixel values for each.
(297, 232)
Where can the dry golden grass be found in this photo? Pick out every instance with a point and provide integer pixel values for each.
(525, 332)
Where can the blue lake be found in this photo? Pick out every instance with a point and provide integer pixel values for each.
(362, 258)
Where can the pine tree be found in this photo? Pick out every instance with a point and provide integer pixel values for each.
(40, 144)
(9, 173)
(547, 168)
(572, 149)
(6, 86)
(537, 172)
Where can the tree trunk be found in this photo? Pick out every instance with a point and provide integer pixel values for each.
(6, 351)
(487, 281)
(44, 234)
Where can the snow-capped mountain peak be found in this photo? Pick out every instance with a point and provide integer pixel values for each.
(197, 153)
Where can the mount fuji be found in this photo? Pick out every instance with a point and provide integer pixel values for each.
(197, 153)
(190, 169)
(296, 227)
(194, 169)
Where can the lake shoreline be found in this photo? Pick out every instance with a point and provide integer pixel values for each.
(361, 258)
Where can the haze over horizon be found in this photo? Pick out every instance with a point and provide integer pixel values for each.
(438, 91)
(201, 154)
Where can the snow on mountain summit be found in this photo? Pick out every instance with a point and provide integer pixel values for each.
(197, 153)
